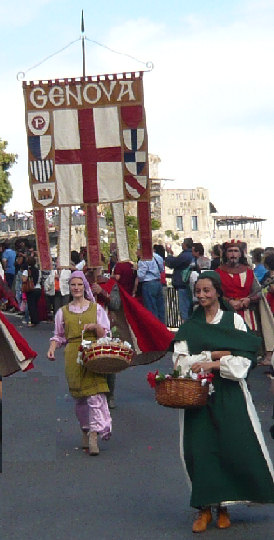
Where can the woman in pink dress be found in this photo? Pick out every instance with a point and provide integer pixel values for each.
(88, 389)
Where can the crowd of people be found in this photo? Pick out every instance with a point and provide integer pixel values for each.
(247, 282)
(225, 302)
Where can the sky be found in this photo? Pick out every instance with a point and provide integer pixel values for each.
(209, 99)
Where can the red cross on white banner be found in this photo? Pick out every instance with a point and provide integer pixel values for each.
(93, 152)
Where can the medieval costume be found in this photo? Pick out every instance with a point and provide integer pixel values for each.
(243, 292)
(222, 445)
(239, 282)
(124, 273)
(15, 353)
(86, 387)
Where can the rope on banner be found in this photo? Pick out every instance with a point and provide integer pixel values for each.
(148, 64)
(21, 74)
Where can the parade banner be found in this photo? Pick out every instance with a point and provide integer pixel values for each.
(87, 144)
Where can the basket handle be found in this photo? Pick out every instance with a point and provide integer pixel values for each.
(176, 361)
(83, 331)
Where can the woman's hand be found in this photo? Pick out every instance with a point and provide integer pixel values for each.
(96, 289)
(90, 326)
(205, 366)
(245, 302)
(51, 351)
(236, 304)
(50, 355)
(93, 327)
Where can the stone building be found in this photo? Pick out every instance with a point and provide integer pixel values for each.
(189, 213)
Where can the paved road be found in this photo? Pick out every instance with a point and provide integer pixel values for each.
(134, 490)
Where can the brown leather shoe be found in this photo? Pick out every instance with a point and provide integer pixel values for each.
(85, 440)
(204, 518)
(223, 521)
(93, 445)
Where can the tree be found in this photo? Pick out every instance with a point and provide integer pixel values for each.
(6, 161)
(132, 231)
(155, 224)
(171, 234)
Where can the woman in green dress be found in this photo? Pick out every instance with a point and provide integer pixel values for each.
(88, 388)
(222, 446)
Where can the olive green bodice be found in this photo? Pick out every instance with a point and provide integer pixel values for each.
(82, 382)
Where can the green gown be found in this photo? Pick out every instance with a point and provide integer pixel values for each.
(224, 459)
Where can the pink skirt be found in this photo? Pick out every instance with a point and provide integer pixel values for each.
(93, 415)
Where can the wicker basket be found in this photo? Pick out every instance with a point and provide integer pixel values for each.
(107, 358)
(181, 393)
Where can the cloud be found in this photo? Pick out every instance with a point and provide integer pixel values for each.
(14, 13)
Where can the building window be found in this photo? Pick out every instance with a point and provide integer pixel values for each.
(194, 220)
(179, 223)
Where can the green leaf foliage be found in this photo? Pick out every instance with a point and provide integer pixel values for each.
(171, 234)
(6, 161)
(155, 224)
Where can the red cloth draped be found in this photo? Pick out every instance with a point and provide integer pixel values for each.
(150, 333)
(231, 283)
(232, 288)
(21, 343)
(5, 292)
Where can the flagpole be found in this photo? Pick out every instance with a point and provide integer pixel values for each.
(84, 74)
(83, 43)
